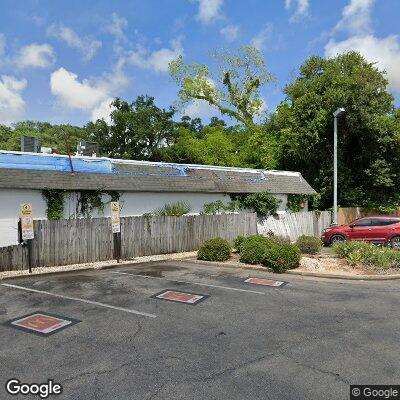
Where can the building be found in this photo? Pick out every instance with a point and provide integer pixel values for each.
(143, 186)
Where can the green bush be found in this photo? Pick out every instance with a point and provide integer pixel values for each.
(216, 249)
(369, 254)
(253, 248)
(173, 210)
(279, 239)
(238, 242)
(309, 244)
(281, 257)
(263, 203)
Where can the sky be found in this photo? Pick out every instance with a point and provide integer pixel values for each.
(64, 61)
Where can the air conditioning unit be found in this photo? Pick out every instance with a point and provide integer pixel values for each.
(30, 144)
(86, 148)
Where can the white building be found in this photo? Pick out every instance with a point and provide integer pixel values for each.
(143, 186)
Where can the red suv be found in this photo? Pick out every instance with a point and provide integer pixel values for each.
(379, 230)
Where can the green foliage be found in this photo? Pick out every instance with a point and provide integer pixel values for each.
(281, 257)
(55, 203)
(88, 201)
(253, 248)
(309, 244)
(368, 138)
(58, 137)
(262, 203)
(295, 202)
(235, 92)
(238, 242)
(216, 249)
(173, 210)
(138, 130)
(218, 207)
(368, 254)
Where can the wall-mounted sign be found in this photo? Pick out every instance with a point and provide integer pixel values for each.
(115, 220)
(25, 213)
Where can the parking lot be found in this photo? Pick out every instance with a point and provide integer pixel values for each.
(307, 339)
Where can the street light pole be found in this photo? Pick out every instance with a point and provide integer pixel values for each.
(336, 114)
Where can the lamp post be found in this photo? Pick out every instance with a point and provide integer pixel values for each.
(336, 114)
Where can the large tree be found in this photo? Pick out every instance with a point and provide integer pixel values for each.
(234, 92)
(369, 134)
(138, 130)
(59, 137)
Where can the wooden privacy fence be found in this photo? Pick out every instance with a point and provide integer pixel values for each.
(293, 225)
(349, 214)
(74, 241)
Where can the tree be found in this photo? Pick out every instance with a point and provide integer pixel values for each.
(369, 151)
(235, 92)
(58, 137)
(139, 130)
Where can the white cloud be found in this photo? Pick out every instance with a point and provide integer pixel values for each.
(157, 60)
(117, 26)
(35, 55)
(103, 111)
(209, 10)
(385, 52)
(301, 10)
(93, 97)
(262, 37)
(201, 109)
(12, 105)
(230, 32)
(356, 17)
(86, 45)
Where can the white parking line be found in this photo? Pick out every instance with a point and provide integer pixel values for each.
(189, 282)
(95, 303)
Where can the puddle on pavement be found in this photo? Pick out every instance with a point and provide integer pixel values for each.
(156, 271)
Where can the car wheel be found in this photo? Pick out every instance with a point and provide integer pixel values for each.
(335, 239)
(395, 243)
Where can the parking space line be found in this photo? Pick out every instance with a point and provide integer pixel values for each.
(189, 282)
(95, 303)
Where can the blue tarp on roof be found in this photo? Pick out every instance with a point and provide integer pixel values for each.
(54, 163)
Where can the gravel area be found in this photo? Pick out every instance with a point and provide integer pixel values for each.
(97, 265)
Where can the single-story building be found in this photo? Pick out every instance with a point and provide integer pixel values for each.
(143, 186)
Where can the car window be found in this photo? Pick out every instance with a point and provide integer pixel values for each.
(363, 222)
(384, 222)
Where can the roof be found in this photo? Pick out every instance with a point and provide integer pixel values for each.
(50, 171)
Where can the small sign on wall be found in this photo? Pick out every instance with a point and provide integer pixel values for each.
(115, 219)
(26, 216)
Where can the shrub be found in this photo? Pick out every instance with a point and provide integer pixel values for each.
(173, 210)
(253, 248)
(369, 254)
(281, 257)
(279, 239)
(238, 242)
(216, 249)
(263, 203)
(309, 244)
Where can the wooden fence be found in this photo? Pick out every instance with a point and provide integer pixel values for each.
(349, 214)
(74, 241)
(293, 225)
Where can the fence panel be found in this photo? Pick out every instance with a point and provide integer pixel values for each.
(74, 241)
(293, 225)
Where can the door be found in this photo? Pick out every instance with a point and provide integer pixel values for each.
(360, 230)
(380, 229)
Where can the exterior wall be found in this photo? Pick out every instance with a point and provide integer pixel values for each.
(132, 203)
(10, 201)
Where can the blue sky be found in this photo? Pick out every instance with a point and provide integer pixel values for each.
(63, 61)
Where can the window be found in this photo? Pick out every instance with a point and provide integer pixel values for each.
(363, 222)
(384, 222)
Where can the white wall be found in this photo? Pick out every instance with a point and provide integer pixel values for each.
(133, 203)
(10, 201)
